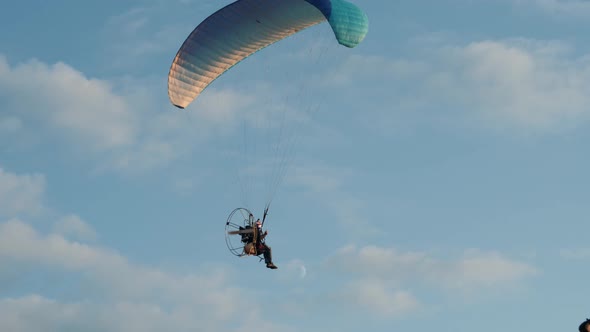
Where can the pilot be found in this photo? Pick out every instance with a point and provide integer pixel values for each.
(262, 247)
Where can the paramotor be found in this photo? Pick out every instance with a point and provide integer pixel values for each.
(244, 236)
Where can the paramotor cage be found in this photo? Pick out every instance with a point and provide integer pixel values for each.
(240, 233)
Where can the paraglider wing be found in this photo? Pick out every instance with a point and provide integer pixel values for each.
(242, 28)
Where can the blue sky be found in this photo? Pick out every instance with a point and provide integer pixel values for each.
(439, 176)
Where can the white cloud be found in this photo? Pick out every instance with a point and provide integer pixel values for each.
(121, 296)
(10, 125)
(575, 253)
(132, 37)
(71, 104)
(224, 107)
(21, 194)
(368, 67)
(73, 225)
(328, 185)
(36, 313)
(476, 270)
(123, 129)
(40, 313)
(128, 297)
(526, 83)
(171, 134)
(523, 85)
(385, 283)
(379, 297)
(560, 7)
(21, 242)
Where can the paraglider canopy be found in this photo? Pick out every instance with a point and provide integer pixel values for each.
(244, 27)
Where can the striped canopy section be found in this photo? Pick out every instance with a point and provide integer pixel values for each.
(242, 28)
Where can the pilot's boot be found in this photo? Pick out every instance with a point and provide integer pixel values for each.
(271, 266)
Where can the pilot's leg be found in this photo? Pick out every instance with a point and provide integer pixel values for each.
(267, 255)
(268, 258)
